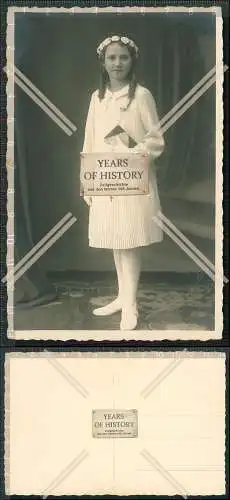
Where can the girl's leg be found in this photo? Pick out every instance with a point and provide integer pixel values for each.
(131, 267)
(128, 266)
(116, 304)
(118, 264)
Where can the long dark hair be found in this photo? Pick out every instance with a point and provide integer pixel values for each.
(104, 77)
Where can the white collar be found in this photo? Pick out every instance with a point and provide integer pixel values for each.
(118, 93)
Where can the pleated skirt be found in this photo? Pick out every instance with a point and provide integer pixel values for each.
(123, 222)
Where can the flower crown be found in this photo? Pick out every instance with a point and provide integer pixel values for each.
(123, 39)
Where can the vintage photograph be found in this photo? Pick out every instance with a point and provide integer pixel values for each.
(115, 122)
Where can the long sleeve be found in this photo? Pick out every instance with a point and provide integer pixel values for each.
(153, 141)
(89, 128)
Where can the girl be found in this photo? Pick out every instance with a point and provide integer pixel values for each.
(122, 115)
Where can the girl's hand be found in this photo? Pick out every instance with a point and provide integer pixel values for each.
(88, 200)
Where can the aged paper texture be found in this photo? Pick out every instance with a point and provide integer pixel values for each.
(180, 401)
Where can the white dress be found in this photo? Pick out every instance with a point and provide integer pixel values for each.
(122, 222)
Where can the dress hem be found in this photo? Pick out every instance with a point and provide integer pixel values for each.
(125, 247)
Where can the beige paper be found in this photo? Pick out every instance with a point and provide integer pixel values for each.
(180, 400)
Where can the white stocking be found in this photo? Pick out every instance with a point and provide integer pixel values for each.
(115, 305)
(118, 265)
(131, 267)
(128, 265)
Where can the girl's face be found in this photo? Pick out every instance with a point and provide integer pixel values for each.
(117, 62)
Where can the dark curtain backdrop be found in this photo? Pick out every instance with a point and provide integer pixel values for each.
(57, 53)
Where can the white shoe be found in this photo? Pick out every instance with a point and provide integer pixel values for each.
(129, 318)
(109, 309)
